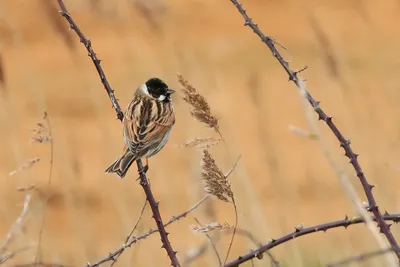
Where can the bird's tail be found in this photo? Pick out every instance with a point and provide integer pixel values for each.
(122, 164)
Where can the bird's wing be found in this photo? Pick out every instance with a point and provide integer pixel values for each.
(146, 122)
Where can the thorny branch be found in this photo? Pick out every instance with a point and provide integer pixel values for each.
(96, 61)
(344, 143)
(195, 253)
(143, 179)
(114, 254)
(131, 232)
(299, 231)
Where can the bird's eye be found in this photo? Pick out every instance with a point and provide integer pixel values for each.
(161, 97)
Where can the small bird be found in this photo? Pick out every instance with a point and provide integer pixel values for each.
(147, 124)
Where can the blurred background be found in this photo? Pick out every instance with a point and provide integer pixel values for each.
(282, 179)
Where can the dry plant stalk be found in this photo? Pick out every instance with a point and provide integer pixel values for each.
(202, 143)
(305, 133)
(215, 182)
(42, 133)
(25, 166)
(195, 253)
(200, 107)
(114, 259)
(135, 239)
(2, 75)
(360, 257)
(17, 225)
(205, 228)
(8, 256)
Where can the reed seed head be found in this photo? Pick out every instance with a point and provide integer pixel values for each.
(200, 107)
(215, 182)
(205, 228)
(202, 143)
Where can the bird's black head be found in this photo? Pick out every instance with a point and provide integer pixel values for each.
(158, 89)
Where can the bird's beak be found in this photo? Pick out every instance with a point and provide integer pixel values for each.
(170, 91)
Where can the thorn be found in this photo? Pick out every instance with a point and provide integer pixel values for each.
(389, 225)
(299, 227)
(166, 233)
(346, 143)
(175, 252)
(372, 207)
(111, 257)
(328, 119)
(301, 70)
(320, 117)
(371, 186)
(163, 247)
(386, 213)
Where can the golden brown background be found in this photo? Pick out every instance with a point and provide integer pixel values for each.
(282, 179)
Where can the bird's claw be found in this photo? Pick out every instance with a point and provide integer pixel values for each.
(144, 169)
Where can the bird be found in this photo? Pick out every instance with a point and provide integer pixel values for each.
(147, 124)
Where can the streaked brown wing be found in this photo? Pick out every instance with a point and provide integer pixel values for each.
(146, 122)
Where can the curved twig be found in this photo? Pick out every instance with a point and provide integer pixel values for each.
(344, 143)
(346, 222)
(135, 239)
(143, 179)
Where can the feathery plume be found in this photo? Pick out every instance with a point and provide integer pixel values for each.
(202, 143)
(200, 107)
(26, 165)
(215, 182)
(41, 134)
(210, 227)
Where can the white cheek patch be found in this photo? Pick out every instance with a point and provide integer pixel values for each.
(143, 89)
(161, 97)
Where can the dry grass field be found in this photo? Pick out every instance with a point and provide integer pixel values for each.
(282, 179)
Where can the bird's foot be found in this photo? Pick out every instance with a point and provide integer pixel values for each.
(144, 169)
